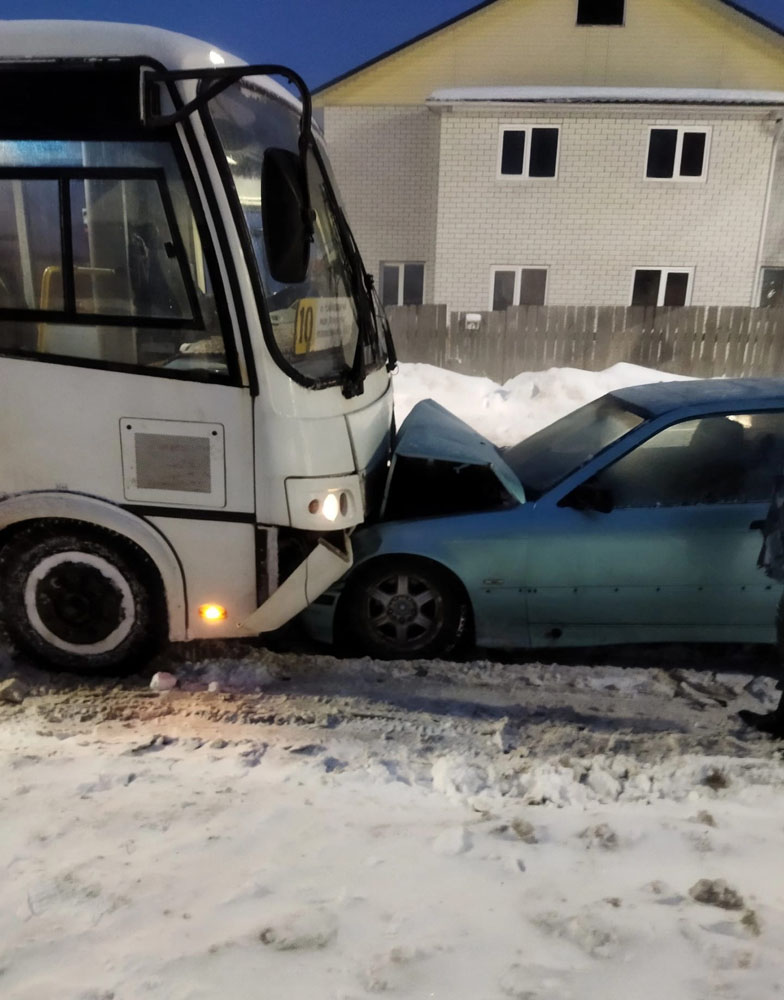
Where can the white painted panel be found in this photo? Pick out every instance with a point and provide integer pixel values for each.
(218, 562)
(60, 427)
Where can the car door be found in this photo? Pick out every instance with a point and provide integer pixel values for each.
(676, 556)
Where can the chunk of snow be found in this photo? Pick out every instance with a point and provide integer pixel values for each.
(163, 681)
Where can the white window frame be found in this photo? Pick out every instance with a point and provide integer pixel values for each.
(706, 130)
(528, 129)
(664, 271)
(518, 273)
(401, 266)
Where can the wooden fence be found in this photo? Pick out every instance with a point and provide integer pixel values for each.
(694, 340)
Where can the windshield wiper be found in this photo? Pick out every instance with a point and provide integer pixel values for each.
(361, 285)
(380, 314)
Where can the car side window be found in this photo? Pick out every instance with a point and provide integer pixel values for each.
(716, 459)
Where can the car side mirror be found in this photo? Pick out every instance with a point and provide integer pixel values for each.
(287, 231)
(589, 496)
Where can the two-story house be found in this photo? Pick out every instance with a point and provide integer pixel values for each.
(570, 152)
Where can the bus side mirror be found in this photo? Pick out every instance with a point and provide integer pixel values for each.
(287, 232)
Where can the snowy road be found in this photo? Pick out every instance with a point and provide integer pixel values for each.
(339, 829)
(502, 717)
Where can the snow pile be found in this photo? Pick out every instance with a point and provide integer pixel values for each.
(508, 413)
(604, 780)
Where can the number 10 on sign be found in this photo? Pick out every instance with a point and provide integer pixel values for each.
(305, 326)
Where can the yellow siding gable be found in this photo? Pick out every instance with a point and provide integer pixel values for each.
(664, 43)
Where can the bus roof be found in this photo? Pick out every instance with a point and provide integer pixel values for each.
(34, 40)
(21, 40)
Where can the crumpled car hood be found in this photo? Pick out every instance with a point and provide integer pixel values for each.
(432, 432)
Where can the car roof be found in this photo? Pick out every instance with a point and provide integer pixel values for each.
(738, 394)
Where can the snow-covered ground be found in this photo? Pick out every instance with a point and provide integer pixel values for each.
(319, 829)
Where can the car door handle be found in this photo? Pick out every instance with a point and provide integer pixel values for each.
(757, 526)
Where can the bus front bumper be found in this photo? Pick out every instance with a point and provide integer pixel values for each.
(324, 566)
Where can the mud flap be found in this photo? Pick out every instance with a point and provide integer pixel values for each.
(324, 566)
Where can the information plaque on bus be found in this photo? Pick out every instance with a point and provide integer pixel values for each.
(319, 323)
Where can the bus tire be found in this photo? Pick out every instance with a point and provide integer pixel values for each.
(81, 601)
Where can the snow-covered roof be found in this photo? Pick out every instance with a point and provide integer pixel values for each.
(604, 95)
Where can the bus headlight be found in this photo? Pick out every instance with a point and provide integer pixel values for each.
(318, 505)
(333, 505)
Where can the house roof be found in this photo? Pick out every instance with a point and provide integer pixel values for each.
(739, 8)
(604, 95)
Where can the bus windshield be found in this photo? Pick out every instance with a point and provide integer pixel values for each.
(321, 327)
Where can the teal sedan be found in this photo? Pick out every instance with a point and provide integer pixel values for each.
(634, 519)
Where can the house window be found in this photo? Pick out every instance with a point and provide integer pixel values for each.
(518, 286)
(661, 287)
(677, 154)
(528, 152)
(402, 283)
(600, 11)
(772, 287)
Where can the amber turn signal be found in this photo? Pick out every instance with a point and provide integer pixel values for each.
(213, 612)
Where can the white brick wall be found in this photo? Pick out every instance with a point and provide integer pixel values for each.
(600, 218)
(386, 163)
(423, 186)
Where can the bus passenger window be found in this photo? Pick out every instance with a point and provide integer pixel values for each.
(29, 231)
(103, 260)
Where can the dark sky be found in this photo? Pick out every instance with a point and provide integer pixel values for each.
(319, 38)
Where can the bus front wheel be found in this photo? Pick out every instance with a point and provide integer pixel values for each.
(80, 601)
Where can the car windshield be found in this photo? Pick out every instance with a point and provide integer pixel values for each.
(542, 460)
(315, 323)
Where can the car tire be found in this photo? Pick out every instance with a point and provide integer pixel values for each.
(403, 609)
(83, 602)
